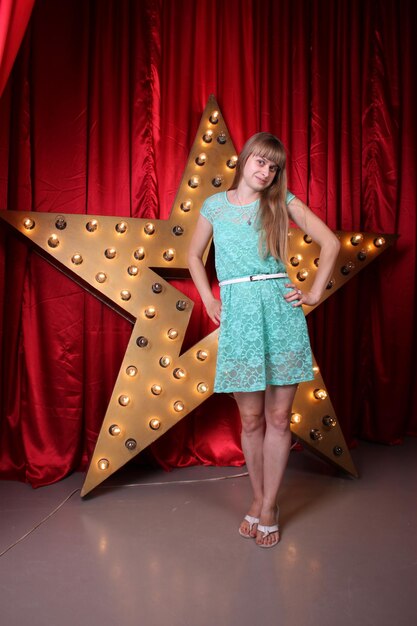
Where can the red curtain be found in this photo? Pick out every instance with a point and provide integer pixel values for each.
(14, 17)
(98, 117)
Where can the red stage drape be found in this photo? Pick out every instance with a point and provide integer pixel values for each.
(14, 17)
(98, 117)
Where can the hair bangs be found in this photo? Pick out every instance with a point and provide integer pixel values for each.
(270, 150)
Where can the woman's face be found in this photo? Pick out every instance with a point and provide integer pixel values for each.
(259, 172)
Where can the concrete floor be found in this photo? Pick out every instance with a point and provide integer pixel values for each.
(165, 549)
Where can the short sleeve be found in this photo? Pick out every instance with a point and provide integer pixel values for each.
(290, 196)
(207, 210)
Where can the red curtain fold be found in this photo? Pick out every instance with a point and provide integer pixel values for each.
(98, 117)
(14, 17)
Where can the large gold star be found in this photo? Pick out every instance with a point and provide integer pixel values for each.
(124, 262)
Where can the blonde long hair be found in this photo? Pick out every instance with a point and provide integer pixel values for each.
(272, 206)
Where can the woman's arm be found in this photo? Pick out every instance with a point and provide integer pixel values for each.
(329, 249)
(202, 234)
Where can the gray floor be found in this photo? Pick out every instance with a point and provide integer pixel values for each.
(151, 548)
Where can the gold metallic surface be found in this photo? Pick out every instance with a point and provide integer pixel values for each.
(113, 258)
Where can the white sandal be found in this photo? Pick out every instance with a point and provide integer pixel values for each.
(252, 521)
(268, 530)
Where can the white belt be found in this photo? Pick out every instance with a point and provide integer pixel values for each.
(247, 279)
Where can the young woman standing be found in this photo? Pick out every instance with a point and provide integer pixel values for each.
(264, 350)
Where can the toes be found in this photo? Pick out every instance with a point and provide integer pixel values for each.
(245, 529)
(269, 540)
(260, 539)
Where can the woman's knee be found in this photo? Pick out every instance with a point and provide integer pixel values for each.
(251, 408)
(278, 418)
(278, 405)
(252, 422)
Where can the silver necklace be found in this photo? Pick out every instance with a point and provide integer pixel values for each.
(249, 221)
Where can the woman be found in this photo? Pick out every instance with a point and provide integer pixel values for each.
(264, 350)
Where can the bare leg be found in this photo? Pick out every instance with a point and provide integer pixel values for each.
(251, 408)
(276, 447)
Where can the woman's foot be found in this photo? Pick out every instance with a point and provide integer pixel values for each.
(249, 525)
(267, 534)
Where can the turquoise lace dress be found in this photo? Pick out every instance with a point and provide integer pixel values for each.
(263, 339)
